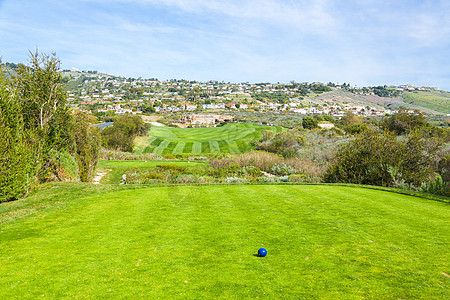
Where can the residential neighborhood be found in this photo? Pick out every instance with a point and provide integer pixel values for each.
(104, 94)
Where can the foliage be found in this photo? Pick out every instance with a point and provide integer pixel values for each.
(88, 140)
(46, 118)
(16, 162)
(283, 143)
(381, 159)
(121, 135)
(383, 91)
(271, 97)
(444, 168)
(232, 169)
(309, 122)
(108, 154)
(404, 121)
(436, 100)
(438, 187)
(36, 127)
(282, 169)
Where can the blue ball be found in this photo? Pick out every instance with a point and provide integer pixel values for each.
(262, 252)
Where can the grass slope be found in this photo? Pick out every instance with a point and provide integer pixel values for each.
(436, 100)
(199, 241)
(230, 138)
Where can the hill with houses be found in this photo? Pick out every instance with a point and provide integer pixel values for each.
(105, 94)
(100, 93)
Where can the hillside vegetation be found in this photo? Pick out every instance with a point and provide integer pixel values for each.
(436, 100)
(74, 240)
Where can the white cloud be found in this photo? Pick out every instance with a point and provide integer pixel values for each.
(301, 15)
(430, 29)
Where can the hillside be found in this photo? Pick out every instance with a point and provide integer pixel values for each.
(92, 90)
(434, 100)
(430, 102)
(79, 241)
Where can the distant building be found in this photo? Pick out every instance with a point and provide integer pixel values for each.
(325, 125)
(204, 119)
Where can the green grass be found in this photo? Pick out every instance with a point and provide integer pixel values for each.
(436, 100)
(231, 138)
(332, 242)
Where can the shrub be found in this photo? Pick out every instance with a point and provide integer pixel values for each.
(310, 122)
(444, 168)
(404, 121)
(284, 143)
(284, 178)
(171, 167)
(121, 135)
(206, 179)
(251, 171)
(380, 159)
(297, 178)
(282, 169)
(119, 155)
(186, 178)
(236, 180)
(260, 159)
(438, 187)
(87, 140)
(265, 179)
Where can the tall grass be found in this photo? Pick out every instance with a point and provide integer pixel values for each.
(119, 155)
(268, 162)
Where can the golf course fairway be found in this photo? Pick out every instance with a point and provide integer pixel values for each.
(331, 242)
(230, 138)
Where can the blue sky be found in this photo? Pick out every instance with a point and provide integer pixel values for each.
(359, 42)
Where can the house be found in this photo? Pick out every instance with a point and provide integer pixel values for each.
(204, 119)
(325, 125)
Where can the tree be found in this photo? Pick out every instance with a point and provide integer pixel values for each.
(121, 135)
(148, 109)
(46, 118)
(309, 122)
(88, 140)
(15, 156)
(381, 159)
(404, 121)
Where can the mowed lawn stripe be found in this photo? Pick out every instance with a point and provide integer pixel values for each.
(156, 142)
(188, 147)
(243, 145)
(161, 147)
(179, 148)
(197, 147)
(170, 147)
(232, 145)
(207, 138)
(214, 147)
(151, 140)
(205, 147)
(224, 147)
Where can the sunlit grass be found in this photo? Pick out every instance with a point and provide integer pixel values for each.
(200, 241)
(230, 138)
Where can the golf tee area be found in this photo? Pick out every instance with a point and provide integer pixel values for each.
(75, 240)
